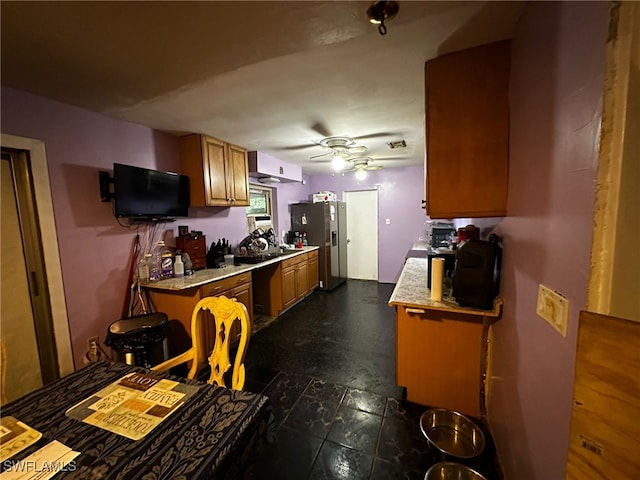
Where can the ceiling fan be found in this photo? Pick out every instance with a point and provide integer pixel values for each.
(361, 165)
(339, 146)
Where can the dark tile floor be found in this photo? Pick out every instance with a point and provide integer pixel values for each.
(328, 366)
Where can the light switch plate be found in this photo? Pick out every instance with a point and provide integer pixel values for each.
(554, 308)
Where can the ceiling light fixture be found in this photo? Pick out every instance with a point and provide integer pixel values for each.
(361, 174)
(381, 11)
(269, 180)
(337, 163)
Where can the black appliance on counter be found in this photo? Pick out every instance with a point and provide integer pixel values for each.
(449, 265)
(441, 234)
(325, 224)
(476, 278)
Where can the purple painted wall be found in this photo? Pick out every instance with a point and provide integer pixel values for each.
(558, 57)
(94, 249)
(400, 192)
(285, 194)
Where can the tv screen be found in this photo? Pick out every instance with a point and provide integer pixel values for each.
(150, 194)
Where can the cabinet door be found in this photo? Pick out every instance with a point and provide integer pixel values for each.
(238, 175)
(313, 271)
(302, 279)
(289, 294)
(467, 132)
(242, 293)
(216, 172)
(428, 338)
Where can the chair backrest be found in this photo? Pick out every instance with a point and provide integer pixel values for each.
(3, 373)
(224, 312)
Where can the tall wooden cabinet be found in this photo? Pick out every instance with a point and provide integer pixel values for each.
(467, 132)
(218, 172)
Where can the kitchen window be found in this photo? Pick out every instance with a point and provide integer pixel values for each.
(260, 201)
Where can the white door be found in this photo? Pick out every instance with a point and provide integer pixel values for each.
(362, 234)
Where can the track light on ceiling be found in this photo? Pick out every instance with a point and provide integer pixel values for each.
(379, 12)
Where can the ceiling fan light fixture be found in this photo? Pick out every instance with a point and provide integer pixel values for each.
(381, 11)
(337, 163)
(361, 174)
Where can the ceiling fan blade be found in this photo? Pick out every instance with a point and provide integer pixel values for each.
(321, 155)
(298, 147)
(357, 149)
(375, 135)
(374, 167)
(321, 129)
(384, 159)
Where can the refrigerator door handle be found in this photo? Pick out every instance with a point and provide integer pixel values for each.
(334, 238)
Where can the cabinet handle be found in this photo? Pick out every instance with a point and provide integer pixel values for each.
(419, 311)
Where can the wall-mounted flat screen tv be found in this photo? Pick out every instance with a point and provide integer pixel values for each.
(147, 194)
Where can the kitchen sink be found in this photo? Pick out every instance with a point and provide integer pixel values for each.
(262, 257)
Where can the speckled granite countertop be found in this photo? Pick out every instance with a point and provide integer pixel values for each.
(208, 275)
(411, 291)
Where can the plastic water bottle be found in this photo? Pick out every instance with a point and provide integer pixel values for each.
(143, 267)
(178, 267)
(155, 262)
(166, 261)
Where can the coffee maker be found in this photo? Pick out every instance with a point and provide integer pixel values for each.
(476, 277)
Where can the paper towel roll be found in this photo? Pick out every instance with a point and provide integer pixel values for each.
(437, 272)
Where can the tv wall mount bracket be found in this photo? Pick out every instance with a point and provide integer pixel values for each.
(105, 190)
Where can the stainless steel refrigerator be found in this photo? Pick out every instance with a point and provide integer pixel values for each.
(326, 226)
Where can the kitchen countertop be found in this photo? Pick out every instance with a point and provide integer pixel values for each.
(412, 291)
(208, 275)
(422, 249)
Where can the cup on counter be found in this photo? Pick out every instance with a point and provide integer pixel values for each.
(228, 259)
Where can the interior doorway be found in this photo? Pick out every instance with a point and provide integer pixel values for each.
(40, 260)
(362, 233)
(26, 326)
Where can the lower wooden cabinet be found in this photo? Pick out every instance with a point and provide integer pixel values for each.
(295, 281)
(179, 305)
(313, 277)
(439, 358)
(284, 284)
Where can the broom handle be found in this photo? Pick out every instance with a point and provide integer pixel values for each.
(132, 266)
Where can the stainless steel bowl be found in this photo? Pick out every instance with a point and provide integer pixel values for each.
(452, 471)
(451, 433)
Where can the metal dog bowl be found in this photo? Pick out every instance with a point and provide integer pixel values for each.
(451, 433)
(452, 471)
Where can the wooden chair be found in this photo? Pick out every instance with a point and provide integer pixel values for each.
(223, 313)
(3, 373)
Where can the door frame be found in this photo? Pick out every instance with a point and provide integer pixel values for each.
(615, 259)
(44, 205)
(345, 194)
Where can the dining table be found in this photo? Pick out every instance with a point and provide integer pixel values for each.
(214, 434)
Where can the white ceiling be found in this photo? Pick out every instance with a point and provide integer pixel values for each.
(270, 76)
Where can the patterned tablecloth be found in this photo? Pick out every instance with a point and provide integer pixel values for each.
(213, 435)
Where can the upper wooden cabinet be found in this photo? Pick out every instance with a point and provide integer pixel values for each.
(218, 171)
(467, 132)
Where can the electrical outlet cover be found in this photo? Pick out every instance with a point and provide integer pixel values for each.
(554, 308)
